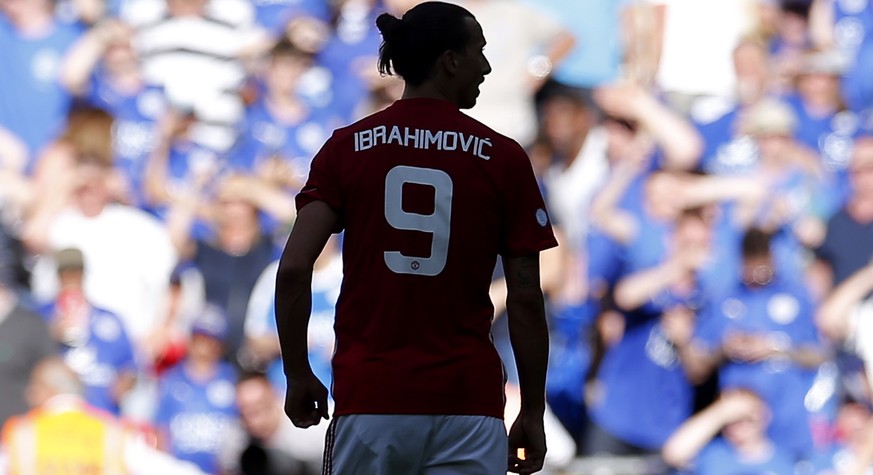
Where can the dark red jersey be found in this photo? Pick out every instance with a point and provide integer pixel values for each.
(428, 199)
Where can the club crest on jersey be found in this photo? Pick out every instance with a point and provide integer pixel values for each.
(542, 217)
(783, 308)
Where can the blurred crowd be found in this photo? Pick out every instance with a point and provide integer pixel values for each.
(708, 165)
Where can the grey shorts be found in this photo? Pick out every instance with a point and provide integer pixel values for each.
(415, 445)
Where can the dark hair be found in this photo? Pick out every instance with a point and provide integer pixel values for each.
(285, 48)
(756, 243)
(698, 213)
(411, 44)
(252, 375)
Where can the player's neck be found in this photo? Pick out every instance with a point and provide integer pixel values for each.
(428, 90)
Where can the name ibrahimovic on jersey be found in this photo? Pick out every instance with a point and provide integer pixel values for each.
(423, 139)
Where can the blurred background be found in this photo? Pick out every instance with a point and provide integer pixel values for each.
(708, 165)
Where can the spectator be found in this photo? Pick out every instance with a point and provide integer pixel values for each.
(848, 242)
(283, 130)
(33, 43)
(575, 164)
(348, 55)
(794, 173)
(42, 440)
(102, 69)
(196, 398)
(87, 133)
(762, 334)
(178, 167)
(266, 442)
(128, 253)
(24, 341)
(642, 393)
(93, 341)
(197, 58)
(825, 125)
(238, 243)
(637, 128)
(727, 150)
(787, 37)
(742, 417)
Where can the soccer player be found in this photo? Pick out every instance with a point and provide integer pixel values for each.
(427, 198)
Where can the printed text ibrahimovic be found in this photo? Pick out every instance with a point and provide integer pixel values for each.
(422, 139)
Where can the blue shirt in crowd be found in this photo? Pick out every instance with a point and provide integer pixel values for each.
(274, 15)
(832, 136)
(720, 458)
(135, 129)
(104, 353)
(33, 104)
(195, 415)
(782, 311)
(266, 136)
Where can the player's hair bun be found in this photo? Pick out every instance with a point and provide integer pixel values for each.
(390, 26)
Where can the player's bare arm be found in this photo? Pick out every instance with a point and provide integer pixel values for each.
(306, 397)
(529, 335)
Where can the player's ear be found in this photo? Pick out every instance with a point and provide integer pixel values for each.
(449, 61)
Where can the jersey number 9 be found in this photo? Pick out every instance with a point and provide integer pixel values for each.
(438, 224)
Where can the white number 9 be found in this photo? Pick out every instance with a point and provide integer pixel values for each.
(438, 223)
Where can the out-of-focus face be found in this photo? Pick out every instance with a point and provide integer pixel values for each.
(237, 225)
(692, 232)
(774, 147)
(237, 213)
(204, 348)
(620, 140)
(793, 29)
(257, 405)
(284, 73)
(750, 67)
(661, 197)
(750, 428)
(91, 194)
(564, 122)
(473, 66)
(71, 279)
(120, 58)
(819, 87)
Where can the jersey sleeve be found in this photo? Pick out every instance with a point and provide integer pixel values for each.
(323, 182)
(528, 228)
